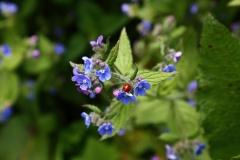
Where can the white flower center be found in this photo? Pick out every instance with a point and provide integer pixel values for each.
(102, 71)
(140, 86)
(84, 81)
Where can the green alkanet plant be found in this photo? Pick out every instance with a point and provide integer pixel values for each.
(115, 66)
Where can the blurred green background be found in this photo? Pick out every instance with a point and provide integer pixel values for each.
(35, 80)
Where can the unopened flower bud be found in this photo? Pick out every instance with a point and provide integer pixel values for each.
(102, 64)
(97, 90)
(36, 53)
(116, 92)
(139, 79)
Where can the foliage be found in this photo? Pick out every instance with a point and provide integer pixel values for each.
(164, 80)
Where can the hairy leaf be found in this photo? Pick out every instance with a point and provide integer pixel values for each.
(155, 77)
(219, 90)
(9, 89)
(124, 59)
(113, 55)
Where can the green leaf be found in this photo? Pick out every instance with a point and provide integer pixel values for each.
(98, 150)
(124, 59)
(9, 89)
(234, 3)
(236, 157)
(182, 121)
(113, 55)
(153, 77)
(93, 108)
(219, 92)
(13, 139)
(151, 111)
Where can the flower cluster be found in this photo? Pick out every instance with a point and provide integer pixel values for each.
(126, 95)
(92, 73)
(177, 152)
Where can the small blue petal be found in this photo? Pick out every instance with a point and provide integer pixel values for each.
(87, 120)
(169, 68)
(59, 48)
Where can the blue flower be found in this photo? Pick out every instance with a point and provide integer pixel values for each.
(194, 8)
(88, 65)
(83, 80)
(177, 56)
(170, 155)
(198, 149)
(87, 120)
(145, 27)
(59, 48)
(8, 8)
(126, 97)
(121, 132)
(192, 87)
(192, 102)
(6, 113)
(104, 74)
(125, 8)
(141, 88)
(169, 68)
(106, 128)
(6, 50)
(98, 42)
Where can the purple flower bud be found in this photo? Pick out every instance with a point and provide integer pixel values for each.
(139, 79)
(171, 18)
(234, 26)
(98, 90)
(98, 42)
(36, 53)
(116, 92)
(33, 39)
(96, 61)
(155, 158)
(30, 83)
(102, 64)
(86, 92)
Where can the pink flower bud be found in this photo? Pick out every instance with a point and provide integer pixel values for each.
(139, 79)
(97, 90)
(36, 53)
(102, 64)
(116, 92)
(96, 61)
